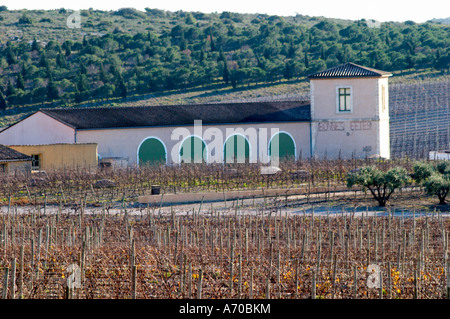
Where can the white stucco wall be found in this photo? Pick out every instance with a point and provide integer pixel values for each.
(365, 98)
(125, 142)
(37, 129)
(362, 132)
(383, 114)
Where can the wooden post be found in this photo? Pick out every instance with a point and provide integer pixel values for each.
(5, 283)
(415, 284)
(190, 281)
(278, 275)
(389, 281)
(355, 282)
(334, 276)
(318, 251)
(82, 261)
(448, 282)
(13, 278)
(251, 284)
(134, 281)
(132, 254)
(240, 276)
(199, 284)
(231, 275)
(381, 284)
(296, 278)
(21, 274)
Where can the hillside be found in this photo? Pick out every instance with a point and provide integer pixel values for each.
(444, 20)
(157, 56)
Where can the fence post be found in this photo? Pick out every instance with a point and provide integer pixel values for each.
(448, 282)
(267, 288)
(415, 284)
(133, 281)
(199, 284)
(5, 283)
(13, 278)
(21, 274)
(296, 278)
(190, 281)
(381, 284)
(251, 284)
(355, 282)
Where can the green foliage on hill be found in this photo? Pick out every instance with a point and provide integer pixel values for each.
(126, 52)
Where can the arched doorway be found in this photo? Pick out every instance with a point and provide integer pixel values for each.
(236, 150)
(283, 144)
(193, 150)
(152, 151)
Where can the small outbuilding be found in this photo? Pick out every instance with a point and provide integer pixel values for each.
(48, 157)
(13, 161)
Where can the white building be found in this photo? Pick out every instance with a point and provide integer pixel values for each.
(348, 115)
(439, 155)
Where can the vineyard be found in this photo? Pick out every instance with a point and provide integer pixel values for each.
(63, 237)
(234, 253)
(419, 118)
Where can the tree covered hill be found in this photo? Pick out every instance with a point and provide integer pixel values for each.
(130, 52)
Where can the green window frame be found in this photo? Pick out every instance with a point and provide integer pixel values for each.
(344, 98)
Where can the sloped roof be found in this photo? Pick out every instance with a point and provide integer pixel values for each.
(9, 155)
(170, 115)
(349, 70)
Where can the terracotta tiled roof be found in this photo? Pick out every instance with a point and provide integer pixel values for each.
(348, 70)
(9, 155)
(170, 115)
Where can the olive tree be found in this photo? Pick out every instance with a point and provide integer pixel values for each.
(434, 177)
(381, 184)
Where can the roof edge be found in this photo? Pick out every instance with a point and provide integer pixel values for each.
(373, 73)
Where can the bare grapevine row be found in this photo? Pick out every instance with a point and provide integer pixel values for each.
(237, 252)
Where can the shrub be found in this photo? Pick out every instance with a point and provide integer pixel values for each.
(434, 177)
(380, 184)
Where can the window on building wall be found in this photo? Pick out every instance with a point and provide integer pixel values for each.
(35, 162)
(2, 168)
(344, 99)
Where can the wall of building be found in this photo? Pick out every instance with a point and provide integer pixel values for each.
(58, 156)
(362, 132)
(37, 129)
(124, 143)
(17, 167)
(439, 155)
(383, 114)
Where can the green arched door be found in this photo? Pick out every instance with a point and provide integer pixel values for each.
(283, 144)
(152, 152)
(193, 150)
(236, 149)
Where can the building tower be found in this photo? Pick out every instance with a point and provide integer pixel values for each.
(349, 112)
